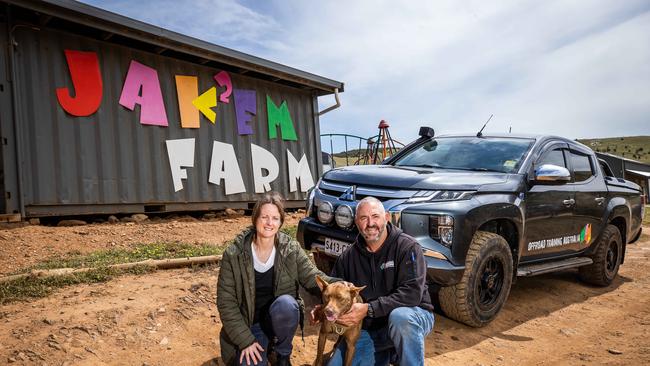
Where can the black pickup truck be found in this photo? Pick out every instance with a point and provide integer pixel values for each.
(486, 209)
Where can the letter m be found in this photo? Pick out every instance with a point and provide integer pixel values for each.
(280, 117)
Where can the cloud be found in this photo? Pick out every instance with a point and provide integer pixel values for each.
(533, 65)
(224, 22)
(575, 69)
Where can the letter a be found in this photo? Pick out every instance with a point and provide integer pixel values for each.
(152, 107)
(87, 82)
(224, 166)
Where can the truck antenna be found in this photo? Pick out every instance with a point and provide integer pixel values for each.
(480, 133)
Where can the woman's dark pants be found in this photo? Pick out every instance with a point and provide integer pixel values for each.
(280, 325)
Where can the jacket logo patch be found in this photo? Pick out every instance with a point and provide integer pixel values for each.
(389, 264)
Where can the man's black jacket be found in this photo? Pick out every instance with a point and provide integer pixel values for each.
(394, 276)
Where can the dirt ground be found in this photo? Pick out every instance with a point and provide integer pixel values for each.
(170, 317)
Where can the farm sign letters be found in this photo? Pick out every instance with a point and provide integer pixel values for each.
(142, 87)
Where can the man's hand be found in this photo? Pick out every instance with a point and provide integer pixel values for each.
(355, 315)
(314, 314)
(251, 354)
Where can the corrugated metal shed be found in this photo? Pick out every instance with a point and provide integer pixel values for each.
(629, 169)
(54, 163)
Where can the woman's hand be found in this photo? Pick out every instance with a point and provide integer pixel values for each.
(315, 314)
(252, 353)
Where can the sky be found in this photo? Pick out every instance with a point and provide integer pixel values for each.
(577, 69)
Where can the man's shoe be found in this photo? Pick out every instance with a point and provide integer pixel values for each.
(283, 361)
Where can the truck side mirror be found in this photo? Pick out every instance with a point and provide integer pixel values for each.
(549, 173)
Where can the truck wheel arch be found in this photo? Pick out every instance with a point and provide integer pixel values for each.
(508, 230)
(621, 225)
(504, 219)
(619, 216)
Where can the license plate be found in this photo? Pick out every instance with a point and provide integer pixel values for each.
(335, 247)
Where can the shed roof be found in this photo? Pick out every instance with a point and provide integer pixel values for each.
(638, 172)
(622, 158)
(106, 26)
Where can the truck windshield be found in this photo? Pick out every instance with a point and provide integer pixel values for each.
(469, 153)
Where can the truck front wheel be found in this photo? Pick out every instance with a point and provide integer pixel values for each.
(607, 258)
(485, 284)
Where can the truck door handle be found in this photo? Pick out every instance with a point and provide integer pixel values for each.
(599, 200)
(569, 202)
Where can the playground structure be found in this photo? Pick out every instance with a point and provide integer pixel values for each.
(377, 147)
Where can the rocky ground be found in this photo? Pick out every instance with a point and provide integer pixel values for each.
(170, 317)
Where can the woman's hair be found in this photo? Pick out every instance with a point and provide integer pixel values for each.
(273, 198)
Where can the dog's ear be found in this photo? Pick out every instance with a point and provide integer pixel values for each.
(321, 283)
(355, 290)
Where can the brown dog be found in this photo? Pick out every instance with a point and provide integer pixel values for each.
(338, 298)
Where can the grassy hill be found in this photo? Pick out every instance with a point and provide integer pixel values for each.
(632, 147)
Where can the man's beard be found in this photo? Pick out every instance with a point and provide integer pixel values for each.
(371, 238)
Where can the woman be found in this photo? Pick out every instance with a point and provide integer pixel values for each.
(257, 292)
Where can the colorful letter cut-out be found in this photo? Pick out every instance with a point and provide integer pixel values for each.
(181, 154)
(245, 108)
(299, 170)
(205, 102)
(152, 107)
(224, 166)
(87, 82)
(187, 91)
(263, 160)
(223, 79)
(280, 116)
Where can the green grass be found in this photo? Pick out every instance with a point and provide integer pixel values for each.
(646, 219)
(141, 252)
(632, 147)
(30, 287)
(27, 288)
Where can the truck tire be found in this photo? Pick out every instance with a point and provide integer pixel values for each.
(607, 258)
(485, 284)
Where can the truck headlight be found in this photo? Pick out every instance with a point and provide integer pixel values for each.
(310, 201)
(446, 235)
(344, 216)
(325, 212)
(441, 228)
(431, 196)
(396, 218)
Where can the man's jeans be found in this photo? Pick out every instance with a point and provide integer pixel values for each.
(407, 328)
(284, 315)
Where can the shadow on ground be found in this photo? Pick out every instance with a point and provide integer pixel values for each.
(530, 298)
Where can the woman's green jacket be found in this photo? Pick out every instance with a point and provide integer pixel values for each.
(236, 287)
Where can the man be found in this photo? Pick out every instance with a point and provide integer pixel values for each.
(397, 310)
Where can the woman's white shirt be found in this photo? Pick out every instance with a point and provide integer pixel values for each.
(259, 265)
